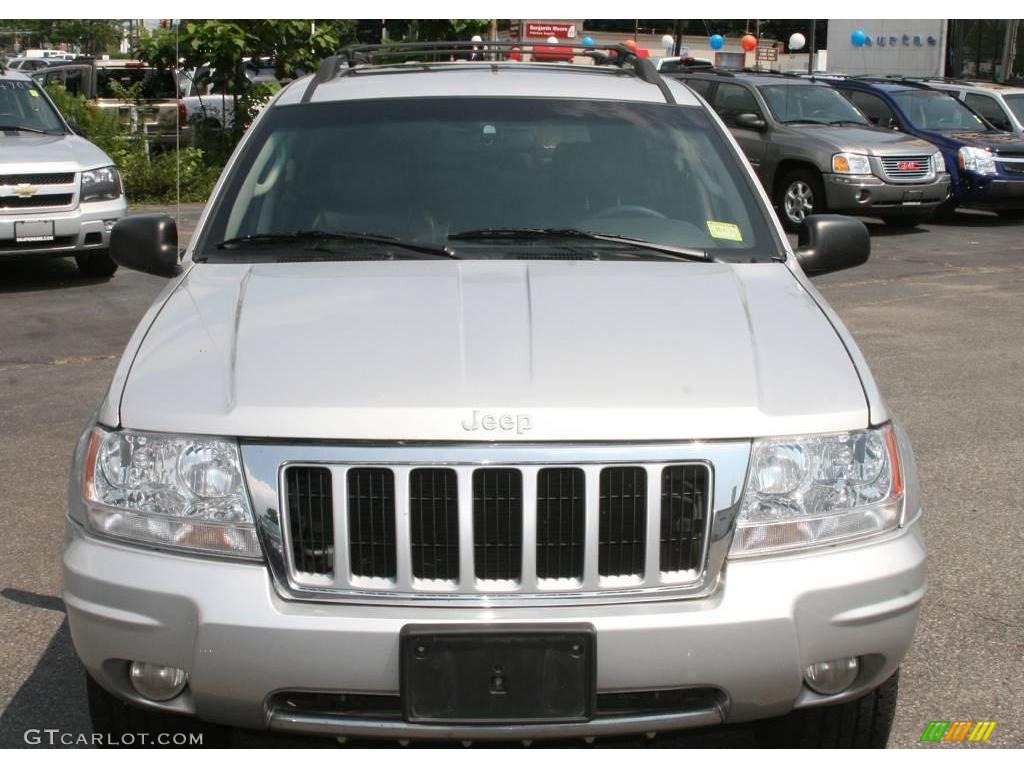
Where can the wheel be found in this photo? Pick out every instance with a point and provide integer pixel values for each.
(863, 722)
(800, 194)
(906, 222)
(1011, 215)
(121, 722)
(96, 264)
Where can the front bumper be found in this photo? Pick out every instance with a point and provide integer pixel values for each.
(869, 195)
(241, 642)
(75, 231)
(991, 194)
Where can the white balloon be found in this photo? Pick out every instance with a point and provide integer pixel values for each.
(667, 41)
(476, 39)
(796, 41)
(552, 40)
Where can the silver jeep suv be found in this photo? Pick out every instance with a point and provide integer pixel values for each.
(60, 195)
(489, 401)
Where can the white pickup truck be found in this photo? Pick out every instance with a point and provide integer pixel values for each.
(208, 101)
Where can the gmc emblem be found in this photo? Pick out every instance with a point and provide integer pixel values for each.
(908, 165)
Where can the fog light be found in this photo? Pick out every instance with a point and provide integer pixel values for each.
(155, 682)
(829, 677)
(108, 224)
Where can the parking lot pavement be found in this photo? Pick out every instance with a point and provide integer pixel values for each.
(938, 312)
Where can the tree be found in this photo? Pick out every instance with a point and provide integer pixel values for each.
(89, 36)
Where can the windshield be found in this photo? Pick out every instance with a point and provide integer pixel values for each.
(155, 83)
(458, 172)
(1015, 101)
(23, 105)
(810, 103)
(934, 111)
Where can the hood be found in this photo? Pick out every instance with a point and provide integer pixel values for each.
(996, 141)
(35, 153)
(492, 350)
(869, 140)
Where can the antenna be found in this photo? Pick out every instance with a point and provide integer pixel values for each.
(177, 127)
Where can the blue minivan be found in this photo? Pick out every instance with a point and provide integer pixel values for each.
(986, 166)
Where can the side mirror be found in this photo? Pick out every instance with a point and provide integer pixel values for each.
(146, 242)
(751, 121)
(828, 243)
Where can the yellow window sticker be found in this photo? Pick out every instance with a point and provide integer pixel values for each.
(33, 92)
(724, 230)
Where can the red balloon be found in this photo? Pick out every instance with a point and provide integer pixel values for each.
(749, 42)
(631, 44)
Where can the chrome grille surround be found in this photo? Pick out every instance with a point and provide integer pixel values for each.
(52, 192)
(893, 172)
(265, 465)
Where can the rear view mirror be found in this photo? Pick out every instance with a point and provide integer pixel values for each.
(750, 120)
(829, 243)
(146, 242)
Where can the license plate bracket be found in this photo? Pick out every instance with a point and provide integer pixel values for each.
(508, 674)
(33, 231)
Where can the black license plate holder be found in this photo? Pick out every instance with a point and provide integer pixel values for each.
(507, 674)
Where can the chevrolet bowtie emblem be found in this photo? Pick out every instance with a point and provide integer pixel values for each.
(25, 190)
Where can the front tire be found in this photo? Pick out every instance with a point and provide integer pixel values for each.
(121, 723)
(865, 722)
(800, 194)
(96, 264)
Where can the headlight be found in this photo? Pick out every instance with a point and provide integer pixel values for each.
(847, 162)
(101, 184)
(171, 490)
(939, 163)
(820, 489)
(977, 159)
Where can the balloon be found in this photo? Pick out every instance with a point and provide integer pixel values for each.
(858, 38)
(716, 42)
(588, 42)
(476, 39)
(552, 40)
(796, 41)
(749, 42)
(668, 42)
(631, 44)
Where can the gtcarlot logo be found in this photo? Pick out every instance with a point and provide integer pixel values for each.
(54, 737)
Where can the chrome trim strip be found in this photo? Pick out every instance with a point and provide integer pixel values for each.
(265, 465)
(312, 723)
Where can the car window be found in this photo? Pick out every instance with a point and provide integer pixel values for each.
(989, 108)
(809, 103)
(1015, 101)
(426, 168)
(22, 104)
(73, 81)
(934, 111)
(701, 86)
(874, 107)
(732, 100)
(155, 83)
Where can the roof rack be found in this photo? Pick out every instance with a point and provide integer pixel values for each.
(901, 79)
(356, 58)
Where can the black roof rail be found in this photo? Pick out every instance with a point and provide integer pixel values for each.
(700, 70)
(901, 79)
(356, 57)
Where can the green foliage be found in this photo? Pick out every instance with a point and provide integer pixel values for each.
(148, 176)
(90, 36)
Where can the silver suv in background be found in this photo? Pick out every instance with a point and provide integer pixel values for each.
(60, 195)
(489, 401)
(1001, 105)
(815, 152)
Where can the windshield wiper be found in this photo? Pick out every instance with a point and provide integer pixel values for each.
(314, 235)
(21, 128)
(681, 254)
(807, 120)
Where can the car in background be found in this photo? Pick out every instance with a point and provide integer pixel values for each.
(669, 64)
(27, 64)
(155, 110)
(207, 99)
(986, 165)
(59, 194)
(1001, 105)
(814, 152)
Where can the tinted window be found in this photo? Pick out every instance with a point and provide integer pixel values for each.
(874, 107)
(809, 103)
(934, 111)
(989, 108)
(22, 104)
(425, 169)
(703, 87)
(1015, 101)
(732, 100)
(156, 83)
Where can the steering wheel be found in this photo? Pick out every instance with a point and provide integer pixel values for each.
(627, 210)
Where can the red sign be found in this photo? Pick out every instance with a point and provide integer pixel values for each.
(908, 165)
(546, 29)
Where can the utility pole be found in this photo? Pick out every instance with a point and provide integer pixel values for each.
(677, 33)
(1008, 44)
(494, 30)
(810, 48)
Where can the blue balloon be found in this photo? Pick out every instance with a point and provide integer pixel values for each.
(588, 42)
(716, 42)
(858, 38)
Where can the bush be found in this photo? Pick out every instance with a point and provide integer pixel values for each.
(149, 177)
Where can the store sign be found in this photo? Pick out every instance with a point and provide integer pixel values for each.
(909, 40)
(548, 29)
(767, 54)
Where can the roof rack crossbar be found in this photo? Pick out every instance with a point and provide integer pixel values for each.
(355, 57)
